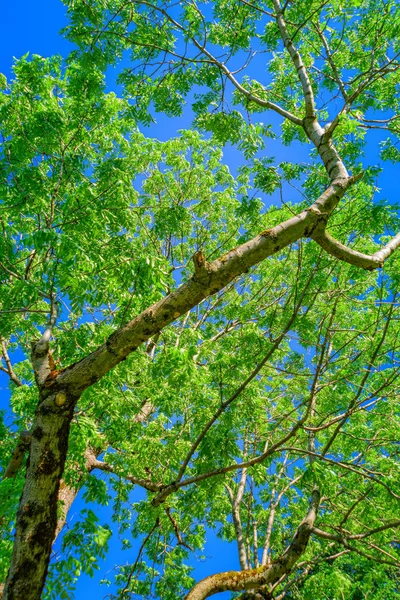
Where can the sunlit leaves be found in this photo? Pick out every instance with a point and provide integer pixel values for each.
(107, 220)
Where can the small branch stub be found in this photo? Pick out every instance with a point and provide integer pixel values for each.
(61, 398)
(199, 261)
(201, 268)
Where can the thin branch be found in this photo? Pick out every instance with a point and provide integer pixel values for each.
(9, 370)
(357, 536)
(248, 380)
(222, 66)
(181, 542)
(145, 483)
(297, 61)
(18, 455)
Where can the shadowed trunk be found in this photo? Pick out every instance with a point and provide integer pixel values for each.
(37, 514)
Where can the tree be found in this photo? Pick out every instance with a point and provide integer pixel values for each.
(160, 346)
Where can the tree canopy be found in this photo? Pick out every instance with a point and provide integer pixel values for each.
(194, 317)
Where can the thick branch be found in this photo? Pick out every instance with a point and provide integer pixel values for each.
(255, 578)
(37, 521)
(209, 278)
(37, 515)
(237, 522)
(369, 262)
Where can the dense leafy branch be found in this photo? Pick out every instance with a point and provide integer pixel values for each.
(108, 242)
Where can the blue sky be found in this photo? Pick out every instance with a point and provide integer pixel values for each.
(34, 27)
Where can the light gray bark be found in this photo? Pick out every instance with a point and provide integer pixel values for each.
(253, 579)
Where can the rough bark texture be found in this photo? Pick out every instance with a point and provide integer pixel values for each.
(253, 579)
(37, 522)
(37, 515)
(256, 595)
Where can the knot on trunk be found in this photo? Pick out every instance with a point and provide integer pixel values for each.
(201, 268)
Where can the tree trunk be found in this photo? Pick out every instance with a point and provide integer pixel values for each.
(36, 522)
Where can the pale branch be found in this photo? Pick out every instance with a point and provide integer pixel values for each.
(18, 455)
(374, 75)
(224, 69)
(341, 538)
(255, 529)
(253, 579)
(236, 501)
(353, 257)
(271, 518)
(297, 61)
(41, 357)
(209, 278)
(380, 121)
(8, 368)
(250, 97)
(146, 410)
(51, 322)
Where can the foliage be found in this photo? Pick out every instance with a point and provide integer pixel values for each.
(284, 380)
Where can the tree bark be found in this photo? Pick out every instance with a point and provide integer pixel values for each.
(254, 579)
(37, 514)
(209, 278)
